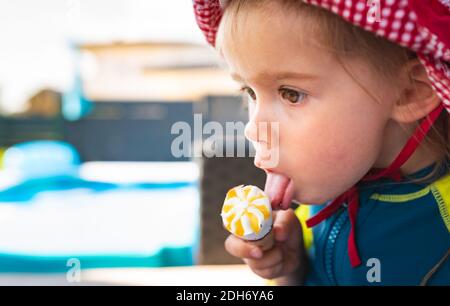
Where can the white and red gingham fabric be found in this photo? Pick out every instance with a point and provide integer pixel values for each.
(420, 25)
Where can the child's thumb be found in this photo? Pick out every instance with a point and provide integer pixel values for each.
(286, 225)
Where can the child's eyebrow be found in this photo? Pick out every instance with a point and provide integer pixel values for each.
(276, 75)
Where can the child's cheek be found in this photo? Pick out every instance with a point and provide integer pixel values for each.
(336, 156)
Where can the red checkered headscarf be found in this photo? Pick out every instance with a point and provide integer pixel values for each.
(422, 26)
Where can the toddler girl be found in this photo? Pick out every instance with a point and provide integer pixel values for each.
(359, 91)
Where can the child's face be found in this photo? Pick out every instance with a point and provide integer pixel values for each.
(330, 129)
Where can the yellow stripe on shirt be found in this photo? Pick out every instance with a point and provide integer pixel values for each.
(441, 191)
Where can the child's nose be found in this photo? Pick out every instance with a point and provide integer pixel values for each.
(258, 129)
(264, 135)
(250, 131)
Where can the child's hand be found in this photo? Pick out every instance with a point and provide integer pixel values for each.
(283, 258)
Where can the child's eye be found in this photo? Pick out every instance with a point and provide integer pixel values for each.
(250, 92)
(293, 96)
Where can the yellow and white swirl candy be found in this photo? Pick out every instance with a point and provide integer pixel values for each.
(247, 213)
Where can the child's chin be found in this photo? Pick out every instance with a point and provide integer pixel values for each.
(309, 199)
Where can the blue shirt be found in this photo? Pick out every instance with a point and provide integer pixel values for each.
(402, 232)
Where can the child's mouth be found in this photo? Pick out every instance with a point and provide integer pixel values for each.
(280, 189)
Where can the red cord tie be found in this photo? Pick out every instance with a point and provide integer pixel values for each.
(351, 196)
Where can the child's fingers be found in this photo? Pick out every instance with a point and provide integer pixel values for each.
(270, 259)
(239, 248)
(271, 272)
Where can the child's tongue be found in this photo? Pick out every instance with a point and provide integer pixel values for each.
(280, 190)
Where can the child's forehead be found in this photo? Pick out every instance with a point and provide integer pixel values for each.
(268, 60)
(250, 40)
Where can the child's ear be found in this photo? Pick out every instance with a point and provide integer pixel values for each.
(418, 97)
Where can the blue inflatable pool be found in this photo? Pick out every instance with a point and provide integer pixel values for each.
(47, 221)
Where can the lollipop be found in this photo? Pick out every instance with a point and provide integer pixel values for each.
(247, 214)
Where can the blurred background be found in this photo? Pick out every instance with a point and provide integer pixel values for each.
(89, 189)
